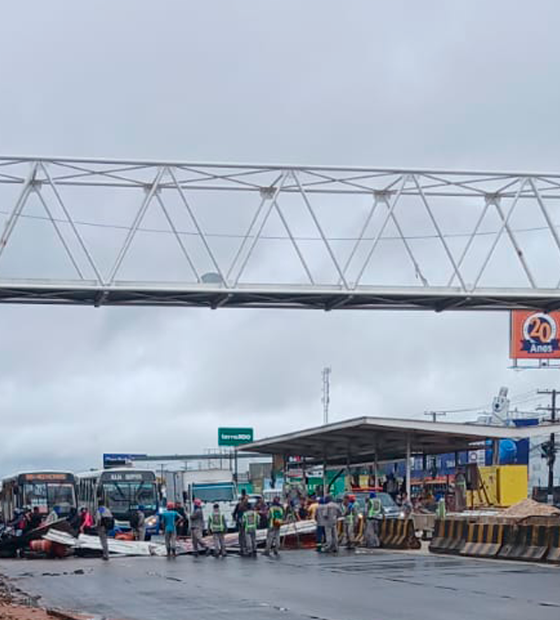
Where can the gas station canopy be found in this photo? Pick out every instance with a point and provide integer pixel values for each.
(369, 439)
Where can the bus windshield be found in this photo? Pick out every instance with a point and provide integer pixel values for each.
(123, 496)
(47, 495)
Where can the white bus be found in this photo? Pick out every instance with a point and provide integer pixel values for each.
(41, 489)
(123, 489)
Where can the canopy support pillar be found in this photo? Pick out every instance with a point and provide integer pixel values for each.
(408, 467)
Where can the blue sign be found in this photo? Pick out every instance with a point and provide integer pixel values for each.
(117, 460)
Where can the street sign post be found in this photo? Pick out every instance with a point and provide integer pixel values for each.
(234, 436)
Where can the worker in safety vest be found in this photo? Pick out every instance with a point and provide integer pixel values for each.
(275, 520)
(441, 510)
(374, 513)
(217, 527)
(250, 521)
(350, 514)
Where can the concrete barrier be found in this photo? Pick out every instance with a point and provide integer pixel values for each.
(526, 542)
(554, 548)
(398, 534)
(449, 536)
(484, 540)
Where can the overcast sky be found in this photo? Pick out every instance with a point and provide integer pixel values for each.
(431, 84)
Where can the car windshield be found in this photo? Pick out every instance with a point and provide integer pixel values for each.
(386, 500)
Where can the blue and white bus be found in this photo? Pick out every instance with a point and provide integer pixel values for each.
(123, 489)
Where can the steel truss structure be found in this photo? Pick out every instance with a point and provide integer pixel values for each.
(316, 237)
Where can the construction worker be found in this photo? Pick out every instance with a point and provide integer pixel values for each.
(137, 523)
(197, 529)
(104, 523)
(250, 523)
(275, 520)
(169, 520)
(321, 516)
(441, 510)
(238, 511)
(460, 491)
(374, 512)
(217, 527)
(349, 523)
(331, 534)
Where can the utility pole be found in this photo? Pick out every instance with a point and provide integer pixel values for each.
(435, 414)
(550, 450)
(326, 399)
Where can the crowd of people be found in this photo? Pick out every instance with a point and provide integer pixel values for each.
(248, 516)
(338, 523)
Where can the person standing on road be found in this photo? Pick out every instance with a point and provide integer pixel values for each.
(35, 518)
(250, 522)
(460, 491)
(321, 516)
(197, 529)
(104, 523)
(86, 521)
(183, 527)
(262, 510)
(275, 520)
(374, 512)
(217, 527)
(331, 532)
(349, 520)
(137, 523)
(441, 510)
(169, 520)
(240, 508)
(406, 505)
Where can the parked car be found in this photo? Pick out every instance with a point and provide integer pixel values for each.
(391, 509)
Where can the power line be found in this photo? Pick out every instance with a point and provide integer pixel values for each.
(192, 233)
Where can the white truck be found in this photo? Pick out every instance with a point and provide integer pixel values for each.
(212, 486)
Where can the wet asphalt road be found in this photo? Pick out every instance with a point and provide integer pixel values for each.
(300, 585)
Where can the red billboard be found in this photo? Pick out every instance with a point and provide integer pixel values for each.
(534, 335)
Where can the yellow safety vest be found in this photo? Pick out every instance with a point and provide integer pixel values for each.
(374, 508)
(217, 523)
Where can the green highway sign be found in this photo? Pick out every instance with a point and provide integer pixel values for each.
(234, 436)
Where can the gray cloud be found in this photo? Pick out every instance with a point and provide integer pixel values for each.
(443, 85)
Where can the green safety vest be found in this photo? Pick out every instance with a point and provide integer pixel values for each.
(440, 510)
(350, 515)
(217, 523)
(374, 508)
(250, 520)
(276, 513)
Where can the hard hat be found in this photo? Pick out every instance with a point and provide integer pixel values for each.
(372, 494)
(197, 502)
(170, 505)
(352, 498)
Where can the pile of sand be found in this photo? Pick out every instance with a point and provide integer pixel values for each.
(529, 508)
